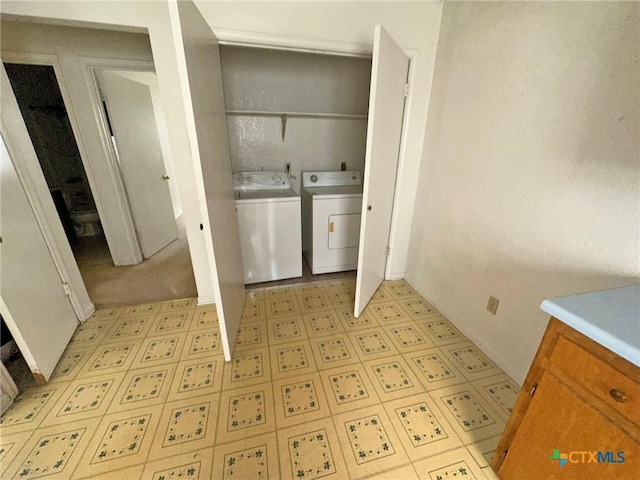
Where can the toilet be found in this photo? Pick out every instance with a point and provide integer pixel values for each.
(86, 222)
(83, 212)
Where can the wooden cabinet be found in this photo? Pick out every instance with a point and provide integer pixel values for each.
(580, 400)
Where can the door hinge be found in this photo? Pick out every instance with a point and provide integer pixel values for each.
(533, 390)
(67, 289)
(388, 251)
(406, 90)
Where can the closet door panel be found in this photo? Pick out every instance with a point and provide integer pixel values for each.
(384, 131)
(210, 149)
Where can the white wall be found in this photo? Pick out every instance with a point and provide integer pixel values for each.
(310, 144)
(334, 26)
(257, 79)
(279, 80)
(530, 183)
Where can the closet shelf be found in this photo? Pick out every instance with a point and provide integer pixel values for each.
(257, 113)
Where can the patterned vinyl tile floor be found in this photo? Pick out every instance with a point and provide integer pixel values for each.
(143, 392)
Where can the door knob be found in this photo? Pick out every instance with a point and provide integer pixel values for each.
(369, 208)
(165, 177)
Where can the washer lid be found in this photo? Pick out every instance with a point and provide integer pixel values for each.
(325, 179)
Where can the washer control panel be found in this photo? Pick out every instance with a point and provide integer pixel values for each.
(331, 179)
(266, 180)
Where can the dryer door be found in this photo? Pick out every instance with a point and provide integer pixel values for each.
(344, 231)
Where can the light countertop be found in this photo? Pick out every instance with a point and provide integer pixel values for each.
(609, 317)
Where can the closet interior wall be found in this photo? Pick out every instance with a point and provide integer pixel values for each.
(324, 97)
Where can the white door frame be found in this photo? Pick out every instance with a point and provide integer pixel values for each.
(122, 242)
(31, 176)
(337, 48)
(90, 65)
(17, 336)
(402, 154)
(64, 259)
(8, 387)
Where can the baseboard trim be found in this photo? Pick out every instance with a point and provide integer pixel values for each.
(207, 300)
(396, 276)
(88, 311)
(486, 349)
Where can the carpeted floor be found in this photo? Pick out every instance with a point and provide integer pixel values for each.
(167, 275)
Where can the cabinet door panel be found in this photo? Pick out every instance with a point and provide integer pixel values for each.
(598, 377)
(557, 419)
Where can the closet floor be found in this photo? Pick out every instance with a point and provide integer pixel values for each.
(143, 392)
(307, 277)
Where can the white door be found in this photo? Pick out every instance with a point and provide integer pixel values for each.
(130, 109)
(210, 148)
(34, 304)
(384, 130)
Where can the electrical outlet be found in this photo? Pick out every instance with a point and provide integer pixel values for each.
(492, 304)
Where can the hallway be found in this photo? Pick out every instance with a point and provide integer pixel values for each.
(166, 275)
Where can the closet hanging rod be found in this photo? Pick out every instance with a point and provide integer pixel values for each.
(257, 113)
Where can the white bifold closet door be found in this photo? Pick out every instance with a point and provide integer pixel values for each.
(206, 114)
(33, 301)
(389, 73)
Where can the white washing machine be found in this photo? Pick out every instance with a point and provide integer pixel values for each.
(269, 226)
(331, 208)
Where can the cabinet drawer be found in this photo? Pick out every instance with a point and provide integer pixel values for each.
(604, 381)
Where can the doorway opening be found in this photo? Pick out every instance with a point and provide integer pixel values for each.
(299, 121)
(46, 119)
(165, 272)
(290, 115)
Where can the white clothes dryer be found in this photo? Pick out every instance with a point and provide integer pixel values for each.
(331, 212)
(269, 225)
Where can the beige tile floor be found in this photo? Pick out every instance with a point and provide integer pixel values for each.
(143, 392)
